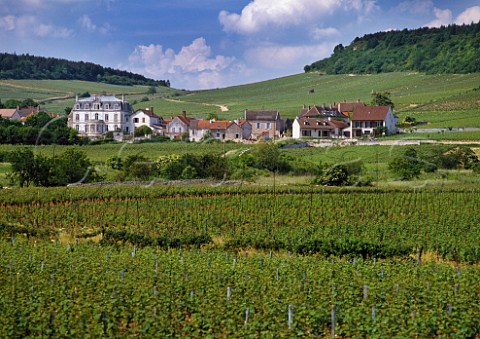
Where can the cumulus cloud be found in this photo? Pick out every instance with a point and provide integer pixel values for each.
(416, 7)
(192, 66)
(443, 18)
(87, 24)
(29, 25)
(275, 56)
(468, 16)
(263, 14)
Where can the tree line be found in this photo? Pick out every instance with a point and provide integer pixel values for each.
(447, 49)
(27, 66)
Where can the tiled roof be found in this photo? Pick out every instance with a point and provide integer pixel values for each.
(370, 113)
(319, 123)
(261, 115)
(349, 106)
(211, 124)
(7, 112)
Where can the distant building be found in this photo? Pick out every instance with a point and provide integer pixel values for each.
(147, 117)
(265, 124)
(178, 125)
(10, 113)
(93, 117)
(216, 129)
(370, 120)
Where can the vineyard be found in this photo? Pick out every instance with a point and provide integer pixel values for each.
(239, 260)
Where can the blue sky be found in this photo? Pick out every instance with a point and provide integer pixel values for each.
(210, 43)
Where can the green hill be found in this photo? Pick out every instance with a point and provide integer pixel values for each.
(27, 66)
(450, 49)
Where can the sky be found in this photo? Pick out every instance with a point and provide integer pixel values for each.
(204, 44)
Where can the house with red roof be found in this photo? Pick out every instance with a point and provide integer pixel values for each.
(318, 127)
(178, 125)
(10, 113)
(216, 129)
(371, 120)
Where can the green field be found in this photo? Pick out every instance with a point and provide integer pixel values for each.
(239, 261)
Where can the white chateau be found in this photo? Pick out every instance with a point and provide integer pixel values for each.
(95, 116)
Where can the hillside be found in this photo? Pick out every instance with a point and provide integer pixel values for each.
(450, 49)
(14, 66)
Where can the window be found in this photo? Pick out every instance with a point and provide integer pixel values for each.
(86, 117)
(86, 128)
(77, 128)
(173, 129)
(116, 127)
(237, 136)
(135, 120)
(143, 120)
(269, 125)
(258, 125)
(77, 117)
(115, 118)
(96, 116)
(106, 117)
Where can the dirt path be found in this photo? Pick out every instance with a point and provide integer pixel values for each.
(223, 108)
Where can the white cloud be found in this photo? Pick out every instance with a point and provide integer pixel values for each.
(443, 18)
(275, 56)
(260, 14)
(52, 31)
(7, 23)
(468, 16)
(27, 26)
(417, 7)
(87, 24)
(319, 33)
(192, 67)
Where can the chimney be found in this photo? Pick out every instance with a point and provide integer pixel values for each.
(184, 114)
(123, 97)
(151, 109)
(76, 97)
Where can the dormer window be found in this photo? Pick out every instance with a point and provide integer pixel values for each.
(117, 106)
(87, 106)
(77, 106)
(96, 106)
(106, 106)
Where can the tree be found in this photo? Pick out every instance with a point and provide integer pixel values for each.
(142, 131)
(382, 99)
(152, 90)
(267, 155)
(406, 166)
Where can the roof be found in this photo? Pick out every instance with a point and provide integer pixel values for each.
(7, 112)
(349, 106)
(211, 124)
(320, 123)
(370, 113)
(261, 115)
(243, 122)
(316, 111)
(25, 112)
(101, 98)
(146, 111)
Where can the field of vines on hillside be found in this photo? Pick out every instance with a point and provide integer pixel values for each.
(236, 260)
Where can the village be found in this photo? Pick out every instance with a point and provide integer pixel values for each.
(98, 115)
